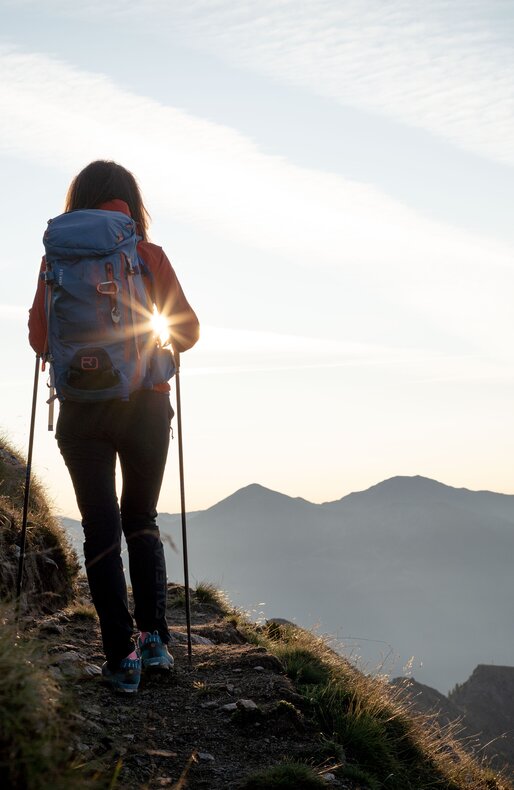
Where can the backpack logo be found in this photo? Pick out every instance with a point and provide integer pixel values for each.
(89, 363)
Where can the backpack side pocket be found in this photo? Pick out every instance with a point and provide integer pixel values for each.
(161, 367)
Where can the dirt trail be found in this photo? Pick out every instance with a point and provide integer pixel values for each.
(176, 725)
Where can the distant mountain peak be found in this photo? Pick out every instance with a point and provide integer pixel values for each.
(410, 482)
(255, 488)
(403, 488)
(398, 486)
(257, 494)
(418, 485)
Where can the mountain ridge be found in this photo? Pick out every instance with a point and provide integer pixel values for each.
(396, 483)
(411, 563)
(257, 489)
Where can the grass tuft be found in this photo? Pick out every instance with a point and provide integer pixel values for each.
(302, 665)
(177, 601)
(207, 593)
(82, 611)
(33, 750)
(286, 776)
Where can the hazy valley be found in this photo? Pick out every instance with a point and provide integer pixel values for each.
(407, 568)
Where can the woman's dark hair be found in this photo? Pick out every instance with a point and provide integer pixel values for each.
(102, 181)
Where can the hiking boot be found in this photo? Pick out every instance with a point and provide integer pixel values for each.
(154, 654)
(126, 677)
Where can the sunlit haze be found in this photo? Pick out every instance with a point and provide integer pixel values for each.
(333, 183)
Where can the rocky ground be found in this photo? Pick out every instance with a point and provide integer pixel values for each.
(205, 725)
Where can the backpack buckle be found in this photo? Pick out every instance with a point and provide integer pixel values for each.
(110, 288)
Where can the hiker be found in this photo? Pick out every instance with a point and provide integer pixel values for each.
(133, 427)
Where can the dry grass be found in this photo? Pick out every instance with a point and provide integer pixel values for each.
(386, 743)
(33, 748)
(285, 776)
(206, 593)
(51, 565)
(81, 611)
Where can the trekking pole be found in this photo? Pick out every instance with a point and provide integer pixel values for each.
(183, 504)
(27, 490)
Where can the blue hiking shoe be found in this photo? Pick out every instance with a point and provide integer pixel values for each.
(126, 677)
(154, 654)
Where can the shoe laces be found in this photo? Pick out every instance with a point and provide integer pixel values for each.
(130, 663)
(152, 639)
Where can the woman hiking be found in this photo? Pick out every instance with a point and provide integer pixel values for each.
(91, 435)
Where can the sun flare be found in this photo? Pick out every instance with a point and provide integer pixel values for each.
(160, 327)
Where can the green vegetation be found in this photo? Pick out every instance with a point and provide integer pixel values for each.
(34, 726)
(302, 665)
(33, 731)
(51, 566)
(82, 611)
(366, 734)
(385, 745)
(285, 776)
(177, 601)
(206, 593)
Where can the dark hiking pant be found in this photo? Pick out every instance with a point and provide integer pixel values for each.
(90, 437)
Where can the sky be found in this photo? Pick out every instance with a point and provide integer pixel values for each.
(332, 181)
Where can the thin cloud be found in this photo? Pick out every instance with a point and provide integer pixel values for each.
(215, 178)
(444, 67)
(57, 115)
(230, 350)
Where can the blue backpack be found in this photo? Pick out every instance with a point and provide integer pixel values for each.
(100, 339)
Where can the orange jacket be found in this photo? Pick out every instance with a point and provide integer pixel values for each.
(169, 297)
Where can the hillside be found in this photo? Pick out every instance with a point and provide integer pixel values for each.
(408, 569)
(270, 702)
(50, 564)
(259, 707)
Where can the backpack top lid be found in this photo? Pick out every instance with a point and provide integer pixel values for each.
(88, 233)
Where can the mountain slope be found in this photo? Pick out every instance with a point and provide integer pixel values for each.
(239, 708)
(410, 567)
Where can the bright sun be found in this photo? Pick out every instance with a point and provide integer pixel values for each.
(160, 326)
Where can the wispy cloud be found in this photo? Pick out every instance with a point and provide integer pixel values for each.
(231, 350)
(219, 180)
(444, 67)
